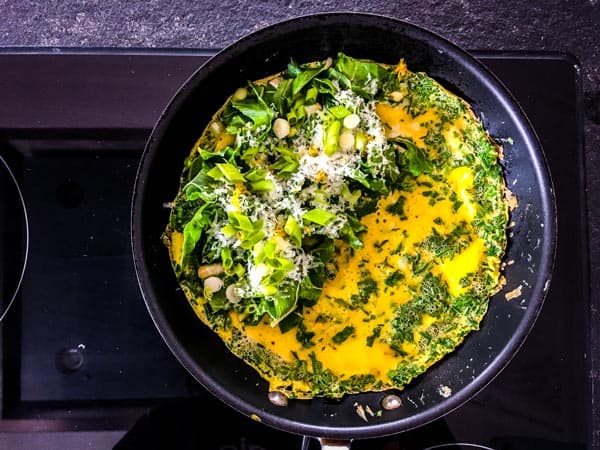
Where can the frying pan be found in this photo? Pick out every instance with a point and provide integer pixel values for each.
(530, 254)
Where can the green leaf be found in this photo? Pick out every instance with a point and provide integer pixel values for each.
(309, 292)
(319, 216)
(255, 175)
(311, 95)
(192, 231)
(282, 94)
(255, 108)
(257, 180)
(218, 301)
(414, 160)
(361, 177)
(278, 307)
(339, 111)
(226, 171)
(250, 240)
(324, 86)
(287, 163)
(262, 186)
(376, 333)
(236, 124)
(304, 336)
(360, 73)
(255, 111)
(294, 231)
(293, 69)
(397, 207)
(199, 187)
(304, 77)
(350, 197)
(240, 222)
(349, 233)
(323, 250)
(291, 321)
(228, 230)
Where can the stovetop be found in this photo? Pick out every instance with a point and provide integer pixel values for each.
(79, 350)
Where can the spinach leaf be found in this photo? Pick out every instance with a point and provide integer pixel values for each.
(303, 76)
(350, 232)
(192, 231)
(365, 77)
(199, 188)
(414, 160)
(309, 292)
(279, 306)
(281, 96)
(256, 109)
(320, 247)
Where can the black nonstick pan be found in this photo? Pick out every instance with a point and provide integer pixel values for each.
(529, 260)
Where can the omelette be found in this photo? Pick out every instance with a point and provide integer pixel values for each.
(340, 225)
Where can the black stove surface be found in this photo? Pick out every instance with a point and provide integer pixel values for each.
(79, 350)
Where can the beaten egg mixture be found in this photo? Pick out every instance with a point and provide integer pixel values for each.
(356, 247)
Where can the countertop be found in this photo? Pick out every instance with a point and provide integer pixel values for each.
(565, 26)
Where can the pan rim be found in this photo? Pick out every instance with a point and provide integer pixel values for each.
(447, 405)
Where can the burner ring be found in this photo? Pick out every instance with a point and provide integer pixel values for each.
(458, 446)
(12, 181)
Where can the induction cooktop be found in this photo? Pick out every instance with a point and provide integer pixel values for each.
(79, 350)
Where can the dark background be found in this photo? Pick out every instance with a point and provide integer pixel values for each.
(565, 26)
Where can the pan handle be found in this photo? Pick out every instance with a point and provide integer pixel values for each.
(334, 444)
